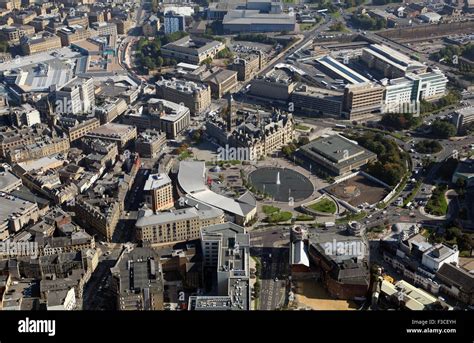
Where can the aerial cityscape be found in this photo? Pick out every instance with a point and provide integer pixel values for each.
(236, 155)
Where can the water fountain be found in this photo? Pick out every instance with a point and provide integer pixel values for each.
(278, 178)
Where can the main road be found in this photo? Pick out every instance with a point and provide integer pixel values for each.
(271, 246)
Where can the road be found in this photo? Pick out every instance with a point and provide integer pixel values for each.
(271, 246)
(98, 293)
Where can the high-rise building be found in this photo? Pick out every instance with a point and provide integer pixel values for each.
(138, 278)
(225, 250)
(159, 192)
(362, 100)
(174, 22)
(76, 96)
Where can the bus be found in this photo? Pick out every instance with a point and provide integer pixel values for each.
(340, 126)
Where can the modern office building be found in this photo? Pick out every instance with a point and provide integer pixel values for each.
(192, 49)
(341, 71)
(225, 249)
(174, 118)
(138, 280)
(159, 192)
(174, 22)
(362, 100)
(390, 62)
(337, 154)
(236, 21)
(413, 88)
(117, 133)
(277, 84)
(195, 96)
(318, 101)
(75, 97)
(463, 118)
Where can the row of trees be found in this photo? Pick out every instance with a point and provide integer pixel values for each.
(338, 26)
(367, 23)
(384, 2)
(148, 51)
(391, 162)
(400, 121)
(451, 53)
(463, 240)
(449, 99)
(428, 147)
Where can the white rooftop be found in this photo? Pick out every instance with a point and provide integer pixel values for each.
(192, 180)
(156, 181)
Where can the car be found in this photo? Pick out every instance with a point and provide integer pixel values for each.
(276, 279)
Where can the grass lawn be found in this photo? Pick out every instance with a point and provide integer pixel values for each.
(438, 204)
(352, 216)
(302, 127)
(306, 26)
(277, 217)
(184, 155)
(304, 217)
(324, 205)
(269, 209)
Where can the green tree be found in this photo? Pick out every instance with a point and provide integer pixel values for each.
(443, 129)
(465, 242)
(3, 46)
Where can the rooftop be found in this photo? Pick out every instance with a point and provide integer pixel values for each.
(342, 70)
(336, 149)
(111, 130)
(191, 178)
(155, 181)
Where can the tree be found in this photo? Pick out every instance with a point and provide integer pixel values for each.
(159, 61)
(443, 129)
(303, 141)
(453, 233)
(339, 26)
(3, 46)
(399, 121)
(465, 242)
(428, 147)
